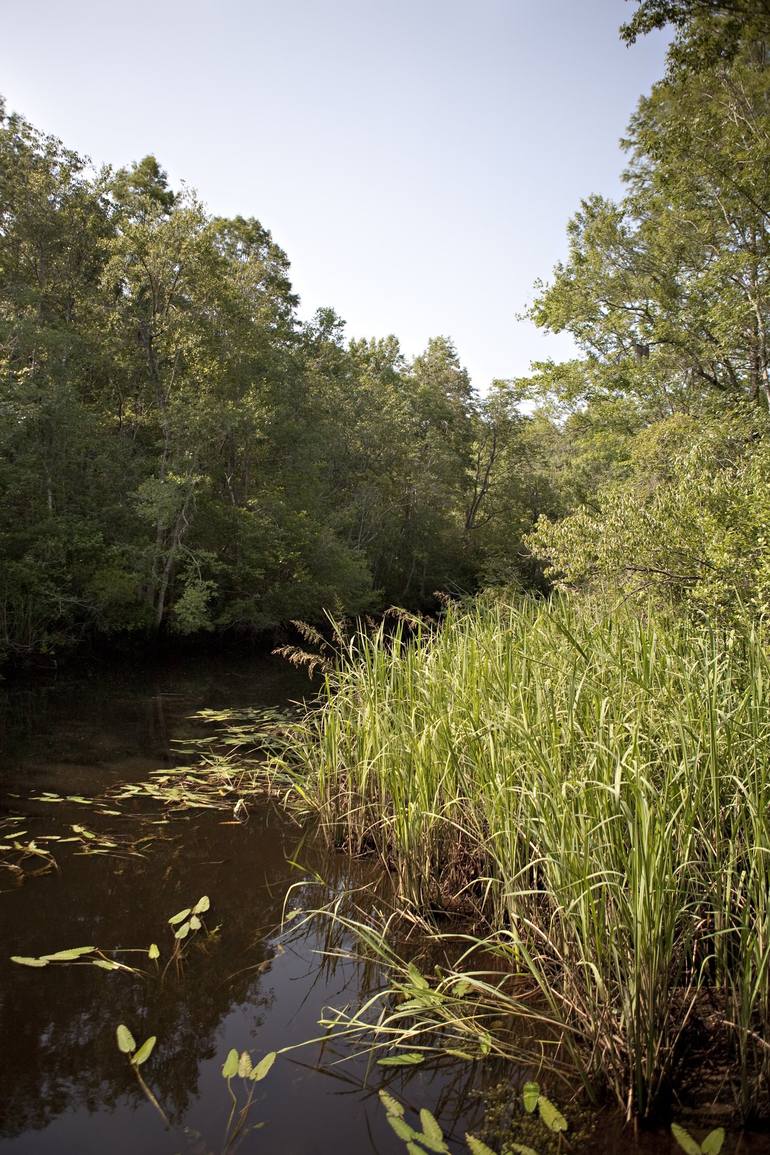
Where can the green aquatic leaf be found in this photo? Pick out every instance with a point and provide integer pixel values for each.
(551, 1115)
(153, 952)
(195, 923)
(183, 931)
(413, 1149)
(263, 1066)
(230, 1067)
(685, 1140)
(69, 955)
(408, 1059)
(202, 905)
(712, 1144)
(29, 962)
(402, 1129)
(144, 1052)
(391, 1105)
(106, 964)
(126, 1042)
(476, 1147)
(180, 917)
(431, 1136)
(530, 1093)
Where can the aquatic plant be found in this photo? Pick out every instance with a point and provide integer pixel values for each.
(590, 789)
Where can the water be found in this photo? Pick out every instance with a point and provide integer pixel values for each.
(64, 1086)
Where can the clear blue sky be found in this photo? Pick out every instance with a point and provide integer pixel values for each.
(417, 159)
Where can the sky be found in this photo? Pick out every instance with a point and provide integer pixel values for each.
(418, 160)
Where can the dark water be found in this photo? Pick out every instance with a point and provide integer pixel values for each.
(64, 1086)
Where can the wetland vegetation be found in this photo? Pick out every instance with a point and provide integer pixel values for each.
(516, 832)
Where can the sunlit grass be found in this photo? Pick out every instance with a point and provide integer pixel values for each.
(593, 788)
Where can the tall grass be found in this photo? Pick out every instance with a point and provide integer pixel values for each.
(594, 786)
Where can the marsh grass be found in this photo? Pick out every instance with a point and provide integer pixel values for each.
(592, 790)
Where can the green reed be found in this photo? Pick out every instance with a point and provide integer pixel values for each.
(593, 786)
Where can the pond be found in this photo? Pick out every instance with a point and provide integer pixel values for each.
(251, 985)
(64, 1086)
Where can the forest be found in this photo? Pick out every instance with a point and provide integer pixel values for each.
(180, 453)
(539, 608)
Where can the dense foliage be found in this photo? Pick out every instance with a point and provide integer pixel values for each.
(180, 453)
(667, 293)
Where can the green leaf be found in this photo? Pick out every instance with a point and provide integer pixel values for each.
(29, 962)
(202, 905)
(476, 1147)
(195, 922)
(530, 1093)
(430, 1128)
(144, 1052)
(183, 931)
(460, 1054)
(263, 1066)
(685, 1140)
(461, 988)
(391, 1105)
(230, 1067)
(416, 978)
(106, 964)
(402, 1129)
(712, 1144)
(413, 1149)
(153, 952)
(180, 917)
(68, 955)
(126, 1042)
(408, 1059)
(551, 1116)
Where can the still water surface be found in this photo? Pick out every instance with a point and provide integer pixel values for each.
(64, 1087)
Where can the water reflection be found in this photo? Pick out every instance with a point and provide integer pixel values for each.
(64, 1087)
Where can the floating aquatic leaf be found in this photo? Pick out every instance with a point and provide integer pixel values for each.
(126, 1042)
(685, 1140)
(195, 922)
(551, 1115)
(202, 905)
(391, 1105)
(144, 1052)
(244, 1065)
(69, 955)
(107, 964)
(432, 1136)
(180, 917)
(408, 1059)
(263, 1066)
(183, 931)
(402, 1129)
(476, 1147)
(230, 1067)
(153, 952)
(530, 1093)
(29, 962)
(712, 1144)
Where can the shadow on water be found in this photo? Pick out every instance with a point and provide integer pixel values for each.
(64, 1087)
